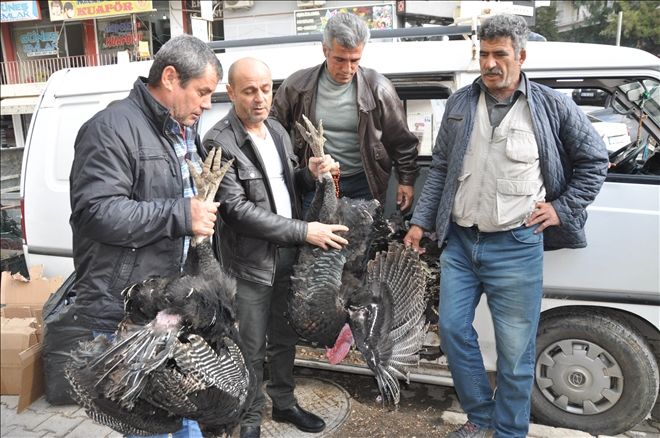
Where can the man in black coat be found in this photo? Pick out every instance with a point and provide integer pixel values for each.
(258, 232)
(133, 209)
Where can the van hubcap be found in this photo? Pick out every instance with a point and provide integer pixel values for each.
(579, 377)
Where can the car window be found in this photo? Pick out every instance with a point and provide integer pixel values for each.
(424, 117)
(424, 97)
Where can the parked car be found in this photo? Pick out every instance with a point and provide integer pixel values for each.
(590, 96)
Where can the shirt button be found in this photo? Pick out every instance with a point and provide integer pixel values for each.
(252, 175)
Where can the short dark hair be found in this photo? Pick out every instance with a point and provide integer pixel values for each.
(189, 56)
(348, 29)
(505, 25)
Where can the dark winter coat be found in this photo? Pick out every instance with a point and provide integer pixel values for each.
(128, 213)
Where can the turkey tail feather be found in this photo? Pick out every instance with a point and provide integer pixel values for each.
(395, 278)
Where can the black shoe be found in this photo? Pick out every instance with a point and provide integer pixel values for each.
(303, 420)
(250, 431)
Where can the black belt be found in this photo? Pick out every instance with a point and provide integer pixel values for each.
(475, 229)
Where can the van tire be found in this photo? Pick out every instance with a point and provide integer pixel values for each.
(579, 354)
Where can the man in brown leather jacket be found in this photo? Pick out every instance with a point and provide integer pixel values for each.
(363, 118)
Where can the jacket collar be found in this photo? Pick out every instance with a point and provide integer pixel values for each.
(154, 109)
(240, 133)
(365, 98)
(523, 87)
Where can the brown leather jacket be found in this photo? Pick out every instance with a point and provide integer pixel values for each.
(382, 125)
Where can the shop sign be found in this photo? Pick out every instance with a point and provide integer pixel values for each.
(39, 43)
(84, 9)
(19, 11)
(118, 35)
(378, 16)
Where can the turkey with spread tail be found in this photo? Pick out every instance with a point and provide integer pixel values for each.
(177, 352)
(359, 292)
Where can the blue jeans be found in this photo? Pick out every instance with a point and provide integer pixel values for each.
(508, 268)
(190, 428)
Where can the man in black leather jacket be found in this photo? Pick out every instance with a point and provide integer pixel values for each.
(258, 232)
(132, 205)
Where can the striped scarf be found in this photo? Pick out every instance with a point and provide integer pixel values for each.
(183, 139)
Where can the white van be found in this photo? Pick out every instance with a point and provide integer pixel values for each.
(599, 335)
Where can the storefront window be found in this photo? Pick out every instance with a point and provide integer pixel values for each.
(118, 34)
(34, 42)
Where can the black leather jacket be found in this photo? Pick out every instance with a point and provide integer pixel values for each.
(249, 231)
(382, 125)
(128, 213)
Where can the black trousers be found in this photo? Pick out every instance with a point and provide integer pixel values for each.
(265, 330)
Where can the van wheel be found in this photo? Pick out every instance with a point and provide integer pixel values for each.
(593, 372)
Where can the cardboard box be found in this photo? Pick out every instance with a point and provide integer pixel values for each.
(23, 298)
(20, 359)
(17, 291)
(21, 328)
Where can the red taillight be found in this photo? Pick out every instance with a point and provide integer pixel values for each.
(24, 234)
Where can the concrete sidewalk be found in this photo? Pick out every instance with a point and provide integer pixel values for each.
(41, 419)
(324, 397)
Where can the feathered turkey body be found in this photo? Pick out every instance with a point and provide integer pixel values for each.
(380, 295)
(176, 354)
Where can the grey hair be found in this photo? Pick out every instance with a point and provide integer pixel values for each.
(508, 26)
(349, 30)
(189, 56)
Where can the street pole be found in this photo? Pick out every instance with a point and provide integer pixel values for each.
(618, 28)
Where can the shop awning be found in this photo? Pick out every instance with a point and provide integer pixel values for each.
(18, 105)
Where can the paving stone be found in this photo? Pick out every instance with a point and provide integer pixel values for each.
(330, 401)
(27, 419)
(88, 429)
(7, 417)
(540, 431)
(10, 401)
(59, 425)
(19, 432)
(41, 404)
(79, 413)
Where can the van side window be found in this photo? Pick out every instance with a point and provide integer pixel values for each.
(424, 97)
(424, 117)
(626, 114)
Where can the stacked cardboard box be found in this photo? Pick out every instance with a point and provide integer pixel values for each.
(21, 328)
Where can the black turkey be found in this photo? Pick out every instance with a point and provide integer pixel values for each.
(375, 298)
(176, 354)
